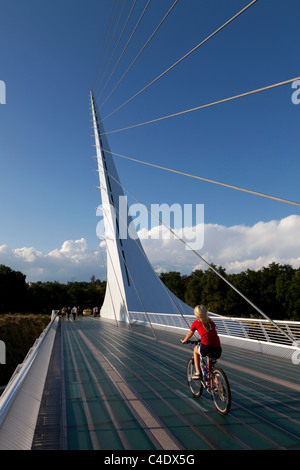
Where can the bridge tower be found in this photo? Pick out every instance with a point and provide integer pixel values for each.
(132, 283)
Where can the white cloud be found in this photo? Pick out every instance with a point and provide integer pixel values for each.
(72, 250)
(29, 255)
(236, 248)
(72, 261)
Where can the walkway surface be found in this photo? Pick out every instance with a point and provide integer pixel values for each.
(125, 389)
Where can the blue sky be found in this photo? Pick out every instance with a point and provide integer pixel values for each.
(48, 60)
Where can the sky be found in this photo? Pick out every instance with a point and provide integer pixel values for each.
(53, 52)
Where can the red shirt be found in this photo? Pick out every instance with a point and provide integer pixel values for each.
(210, 338)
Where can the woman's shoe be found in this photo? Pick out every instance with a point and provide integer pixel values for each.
(196, 376)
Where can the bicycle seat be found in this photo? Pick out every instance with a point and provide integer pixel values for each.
(212, 357)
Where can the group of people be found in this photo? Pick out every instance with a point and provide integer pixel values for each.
(68, 311)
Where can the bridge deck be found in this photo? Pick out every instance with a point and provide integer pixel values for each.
(127, 390)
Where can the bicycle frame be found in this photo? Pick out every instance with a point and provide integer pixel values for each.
(207, 365)
(213, 379)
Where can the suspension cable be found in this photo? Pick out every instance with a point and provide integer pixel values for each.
(258, 90)
(112, 22)
(206, 262)
(112, 56)
(134, 30)
(256, 193)
(104, 42)
(143, 48)
(184, 57)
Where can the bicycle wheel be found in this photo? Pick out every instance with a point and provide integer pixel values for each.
(196, 386)
(220, 392)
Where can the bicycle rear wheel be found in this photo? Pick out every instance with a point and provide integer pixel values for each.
(221, 394)
(196, 386)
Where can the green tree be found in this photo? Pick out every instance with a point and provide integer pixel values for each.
(214, 290)
(247, 282)
(13, 289)
(174, 282)
(293, 296)
(194, 286)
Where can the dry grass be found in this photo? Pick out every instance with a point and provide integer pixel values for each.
(19, 333)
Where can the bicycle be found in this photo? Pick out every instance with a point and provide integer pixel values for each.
(212, 378)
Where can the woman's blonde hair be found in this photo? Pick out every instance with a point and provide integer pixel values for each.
(201, 314)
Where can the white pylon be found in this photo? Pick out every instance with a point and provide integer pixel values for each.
(133, 285)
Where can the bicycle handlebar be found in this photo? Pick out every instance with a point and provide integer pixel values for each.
(192, 342)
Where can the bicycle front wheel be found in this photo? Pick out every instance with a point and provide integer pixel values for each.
(220, 393)
(196, 386)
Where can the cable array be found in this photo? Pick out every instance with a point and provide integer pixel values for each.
(214, 103)
(256, 193)
(210, 266)
(137, 56)
(184, 57)
(133, 32)
(104, 43)
(197, 108)
(112, 56)
(121, 35)
(106, 38)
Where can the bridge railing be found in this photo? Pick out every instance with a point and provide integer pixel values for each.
(254, 334)
(17, 423)
(259, 330)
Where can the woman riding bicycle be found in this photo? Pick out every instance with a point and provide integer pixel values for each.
(210, 341)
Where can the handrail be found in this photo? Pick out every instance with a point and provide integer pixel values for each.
(244, 330)
(261, 329)
(12, 388)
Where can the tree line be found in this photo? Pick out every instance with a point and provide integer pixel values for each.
(18, 296)
(274, 289)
